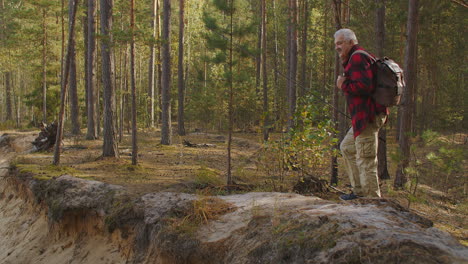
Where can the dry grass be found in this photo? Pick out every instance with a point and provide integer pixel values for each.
(201, 211)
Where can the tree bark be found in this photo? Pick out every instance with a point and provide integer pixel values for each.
(264, 72)
(90, 70)
(410, 76)
(63, 94)
(258, 57)
(109, 148)
(74, 107)
(231, 91)
(166, 131)
(180, 72)
(151, 67)
(303, 80)
(334, 158)
(158, 86)
(132, 67)
(380, 44)
(44, 67)
(8, 96)
(278, 91)
(292, 62)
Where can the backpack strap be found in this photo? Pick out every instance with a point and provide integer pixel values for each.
(362, 52)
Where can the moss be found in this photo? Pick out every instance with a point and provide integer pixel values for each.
(206, 177)
(45, 172)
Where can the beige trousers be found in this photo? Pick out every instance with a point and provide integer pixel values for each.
(360, 158)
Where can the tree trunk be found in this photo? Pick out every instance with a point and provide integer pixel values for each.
(121, 97)
(334, 158)
(44, 67)
(410, 75)
(90, 70)
(380, 42)
(180, 79)
(326, 43)
(303, 80)
(132, 67)
(151, 68)
(98, 73)
(63, 93)
(264, 73)
(231, 90)
(109, 148)
(8, 95)
(166, 130)
(158, 87)
(278, 91)
(74, 107)
(292, 62)
(258, 57)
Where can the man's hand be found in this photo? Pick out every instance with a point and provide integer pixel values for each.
(339, 81)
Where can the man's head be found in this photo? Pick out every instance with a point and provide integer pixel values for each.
(345, 39)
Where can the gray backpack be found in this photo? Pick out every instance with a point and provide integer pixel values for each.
(389, 80)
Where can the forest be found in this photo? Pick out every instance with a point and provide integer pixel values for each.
(142, 80)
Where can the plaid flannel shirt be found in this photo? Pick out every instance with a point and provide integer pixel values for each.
(358, 88)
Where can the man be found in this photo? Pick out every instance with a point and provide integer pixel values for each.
(359, 147)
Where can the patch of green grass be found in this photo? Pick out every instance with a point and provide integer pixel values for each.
(206, 177)
(463, 207)
(45, 172)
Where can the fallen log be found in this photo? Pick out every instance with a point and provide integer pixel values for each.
(46, 139)
(187, 143)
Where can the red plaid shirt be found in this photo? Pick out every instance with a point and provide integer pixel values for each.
(357, 88)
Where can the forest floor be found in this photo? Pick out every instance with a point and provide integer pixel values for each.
(202, 170)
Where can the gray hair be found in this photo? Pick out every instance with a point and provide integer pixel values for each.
(347, 33)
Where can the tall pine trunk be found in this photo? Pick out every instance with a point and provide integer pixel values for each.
(158, 77)
(278, 91)
(292, 62)
(407, 105)
(109, 148)
(132, 68)
(231, 90)
(334, 158)
(380, 44)
(303, 80)
(166, 131)
(74, 107)
(8, 96)
(90, 69)
(180, 72)
(151, 66)
(44, 67)
(264, 73)
(63, 93)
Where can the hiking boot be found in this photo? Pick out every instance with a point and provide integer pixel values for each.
(347, 197)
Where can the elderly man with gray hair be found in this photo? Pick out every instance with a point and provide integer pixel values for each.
(359, 147)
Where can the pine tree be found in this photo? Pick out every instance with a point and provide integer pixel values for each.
(63, 94)
(74, 107)
(166, 130)
(109, 148)
(408, 100)
(90, 69)
(180, 71)
(132, 69)
(220, 39)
